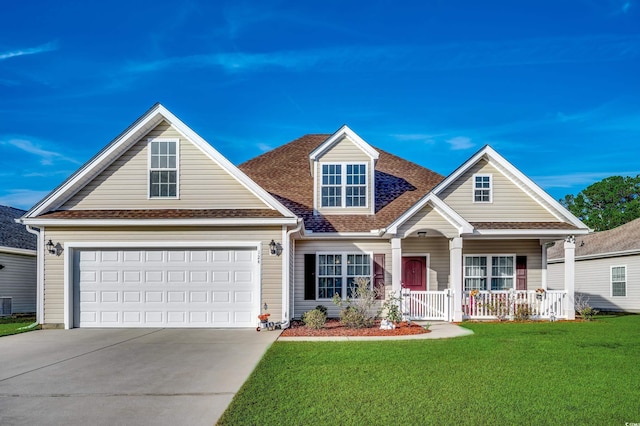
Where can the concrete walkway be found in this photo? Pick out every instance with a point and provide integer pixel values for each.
(439, 330)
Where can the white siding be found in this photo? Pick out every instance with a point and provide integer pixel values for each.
(18, 280)
(593, 279)
(510, 203)
(203, 183)
(344, 151)
(304, 247)
(271, 266)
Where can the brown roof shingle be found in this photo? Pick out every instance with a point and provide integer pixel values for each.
(284, 172)
(523, 225)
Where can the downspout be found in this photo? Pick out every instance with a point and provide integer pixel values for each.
(287, 276)
(39, 274)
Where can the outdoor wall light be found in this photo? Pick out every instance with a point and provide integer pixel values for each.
(1, 266)
(275, 249)
(53, 248)
(422, 234)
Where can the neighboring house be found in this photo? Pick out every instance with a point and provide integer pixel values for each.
(18, 278)
(160, 230)
(607, 268)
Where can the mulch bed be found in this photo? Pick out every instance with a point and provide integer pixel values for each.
(334, 328)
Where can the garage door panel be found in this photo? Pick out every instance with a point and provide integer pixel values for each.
(168, 288)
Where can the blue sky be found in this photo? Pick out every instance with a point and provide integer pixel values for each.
(554, 86)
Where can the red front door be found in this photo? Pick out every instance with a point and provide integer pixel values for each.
(414, 273)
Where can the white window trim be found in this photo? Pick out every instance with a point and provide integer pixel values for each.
(473, 188)
(177, 168)
(344, 275)
(343, 185)
(489, 275)
(626, 280)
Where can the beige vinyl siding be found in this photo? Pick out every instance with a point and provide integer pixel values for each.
(510, 203)
(303, 247)
(439, 264)
(346, 152)
(530, 248)
(18, 280)
(593, 280)
(271, 266)
(430, 220)
(203, 183)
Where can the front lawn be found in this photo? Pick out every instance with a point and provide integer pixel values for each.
(504, 374)
(11, 325)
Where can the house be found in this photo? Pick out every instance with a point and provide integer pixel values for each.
(607, 268)
(159, 229)
(17, 264)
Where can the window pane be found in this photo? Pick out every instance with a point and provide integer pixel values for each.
(618, 289)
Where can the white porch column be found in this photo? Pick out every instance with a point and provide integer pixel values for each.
(543, 271)
(570, 275)
(455, 266)
(396, 266)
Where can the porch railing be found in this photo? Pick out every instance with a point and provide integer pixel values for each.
(506, 304)
(427, 305)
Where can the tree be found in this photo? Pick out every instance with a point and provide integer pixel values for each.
(607, 204)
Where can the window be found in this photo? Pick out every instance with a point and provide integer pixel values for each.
(344, 185)
(337, 273)
(163, 168)
(619, 281)
(479, 276)
(482, 188)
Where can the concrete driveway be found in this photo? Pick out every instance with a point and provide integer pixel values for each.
(125, 377)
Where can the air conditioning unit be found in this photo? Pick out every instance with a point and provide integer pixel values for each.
(5, 306)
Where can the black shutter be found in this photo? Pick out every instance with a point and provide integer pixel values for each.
(310, 276)
(521, 272)
(378, 275)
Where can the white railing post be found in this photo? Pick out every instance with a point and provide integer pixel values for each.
(569, 276)
(455, 271)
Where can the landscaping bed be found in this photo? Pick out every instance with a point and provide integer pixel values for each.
(333, 328)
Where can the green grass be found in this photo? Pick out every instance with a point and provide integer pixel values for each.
(505, 374)
(12, 325)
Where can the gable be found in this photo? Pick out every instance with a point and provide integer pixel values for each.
(428, 220)
(510, 202)
(203, 183)
(344, 150)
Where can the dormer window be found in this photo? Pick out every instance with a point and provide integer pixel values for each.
(163, 168)
(344, 185)
(482, 189)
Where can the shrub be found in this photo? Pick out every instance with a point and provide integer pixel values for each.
(358, 311)
(391, 307)
(583, 308)
(322, 309)
(314, 319)
(522, 312)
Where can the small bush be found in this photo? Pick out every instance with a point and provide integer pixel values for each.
(314, 319)
(583, 308)
(391, 307)
(358, 311)
(322, 309)
(522, 312)
(351, 317)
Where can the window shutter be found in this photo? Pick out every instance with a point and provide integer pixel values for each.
(378, 275)
(310, 276)
(521, 272)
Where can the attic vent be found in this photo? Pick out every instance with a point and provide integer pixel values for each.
(5, 306)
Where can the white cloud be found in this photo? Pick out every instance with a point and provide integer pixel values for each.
(47, 158)
(264, 147)
(22, 198)
(416, 137)
(29, 51)
(460, 143)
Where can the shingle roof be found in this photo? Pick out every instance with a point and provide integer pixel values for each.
(623, 238)
(284, 172)
(13, 234)
(163, 214)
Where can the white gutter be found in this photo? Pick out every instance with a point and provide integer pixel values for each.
(39, 274)
(14, 250)
(599, 255)
(286, 281)
(332, 235)
(159, 222)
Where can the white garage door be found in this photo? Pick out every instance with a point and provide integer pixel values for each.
(166, 288)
